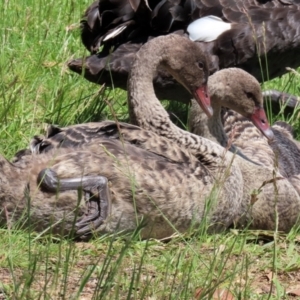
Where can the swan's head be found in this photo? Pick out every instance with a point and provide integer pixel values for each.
(238, 90)
(186, 62)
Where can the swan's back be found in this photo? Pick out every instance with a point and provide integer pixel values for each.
(148, 175)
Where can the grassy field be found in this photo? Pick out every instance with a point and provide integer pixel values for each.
(36, 88)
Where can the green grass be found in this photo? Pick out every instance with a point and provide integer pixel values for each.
(37, 39)
(36, 88)
(289, 84)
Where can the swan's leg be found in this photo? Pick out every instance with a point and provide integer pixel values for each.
(98, 208)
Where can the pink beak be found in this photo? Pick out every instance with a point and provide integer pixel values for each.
(203, 100)
(260, 120)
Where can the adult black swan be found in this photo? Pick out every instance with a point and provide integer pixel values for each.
(261, 37)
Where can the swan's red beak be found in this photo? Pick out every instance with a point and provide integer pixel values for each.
(203, 100)
(260, 120)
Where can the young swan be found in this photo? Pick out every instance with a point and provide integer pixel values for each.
(228, 178)
(130, 176)
(231, 88)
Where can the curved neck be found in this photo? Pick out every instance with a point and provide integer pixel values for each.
(147, 112)
(215, 125)
(216, 129)
(144, 108)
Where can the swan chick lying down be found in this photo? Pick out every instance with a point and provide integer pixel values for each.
(205, 173)
(124, 184)
(150, 178)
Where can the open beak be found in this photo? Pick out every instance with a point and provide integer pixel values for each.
(203, 100)
(260, 120)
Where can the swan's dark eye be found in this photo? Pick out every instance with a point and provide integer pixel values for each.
(200, 65)
(249, 95)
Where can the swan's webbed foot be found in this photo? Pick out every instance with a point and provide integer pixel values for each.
(96, 194)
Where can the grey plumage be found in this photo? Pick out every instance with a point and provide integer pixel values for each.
(162, 179)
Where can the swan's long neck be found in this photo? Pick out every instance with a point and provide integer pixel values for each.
(217, 131)
(144, 108)
(210, 128)
(147, 112)
(215, 125)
